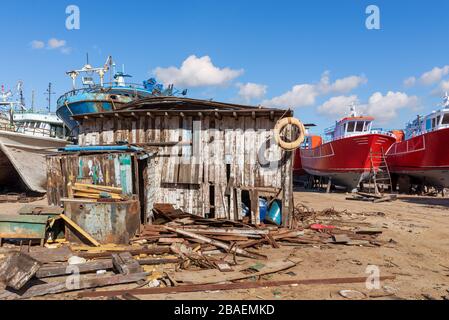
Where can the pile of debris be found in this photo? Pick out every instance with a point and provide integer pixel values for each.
(372, 197)
(19, 198)
(179, 252)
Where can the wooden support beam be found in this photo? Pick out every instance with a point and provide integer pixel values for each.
(80, 230)
(149, 114)
(61, 286)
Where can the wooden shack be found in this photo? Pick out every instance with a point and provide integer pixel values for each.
(204, 157)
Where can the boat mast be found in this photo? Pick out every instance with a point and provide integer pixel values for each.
(49, 93)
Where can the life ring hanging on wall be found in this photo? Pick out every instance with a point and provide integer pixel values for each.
(280, 125)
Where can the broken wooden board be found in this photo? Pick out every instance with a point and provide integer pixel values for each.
(40, 210)
(124, 263)
(71, 223)
(37, 290)
(63, 270)
(17, 269)
(216, 276)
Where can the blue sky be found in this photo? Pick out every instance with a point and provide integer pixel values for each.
(314, 56)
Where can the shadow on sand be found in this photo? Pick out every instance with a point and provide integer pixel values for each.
(427, 201)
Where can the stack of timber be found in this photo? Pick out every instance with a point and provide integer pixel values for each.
(95, 192)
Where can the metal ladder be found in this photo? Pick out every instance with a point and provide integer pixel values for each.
(380, 174)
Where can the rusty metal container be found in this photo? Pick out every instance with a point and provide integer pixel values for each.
(108, 222)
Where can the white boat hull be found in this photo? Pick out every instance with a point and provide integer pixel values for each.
(22, 160)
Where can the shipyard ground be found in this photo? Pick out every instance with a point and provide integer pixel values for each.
(415, 228)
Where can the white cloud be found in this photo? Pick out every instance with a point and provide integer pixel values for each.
(430, 77)
(442, 88)
(54, 43)
(301, 95)
(250, 91)
(36, 44)
(343, 85)
(197, 72)
(383, 107)
(410, 82)
(434, 75)
(305, 94)
(337, 106)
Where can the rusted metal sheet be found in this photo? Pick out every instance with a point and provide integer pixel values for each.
(22, 227)
(112, 222)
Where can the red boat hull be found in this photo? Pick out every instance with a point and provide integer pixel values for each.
(424, 157)
(347, 161)
(298, 170)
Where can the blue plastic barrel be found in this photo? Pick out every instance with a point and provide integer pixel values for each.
(263, 209)
(275, 214)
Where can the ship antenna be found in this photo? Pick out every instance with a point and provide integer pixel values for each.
(49, 93)
(353, 110)
(446, 100)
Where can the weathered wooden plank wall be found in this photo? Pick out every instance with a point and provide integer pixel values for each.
(114, 169)
(238, 149)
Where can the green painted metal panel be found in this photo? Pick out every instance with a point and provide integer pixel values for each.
(23, 226)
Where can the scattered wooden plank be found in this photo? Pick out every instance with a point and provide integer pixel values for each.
(216, 243)
(229, 286)
(40, 210)
(55, 271)
(135, 252)
(62, 286)
(17, 269)
(80, 230)
(224, 232)
(369, 231)
(216, 276)
(340, 239)
(171, 240)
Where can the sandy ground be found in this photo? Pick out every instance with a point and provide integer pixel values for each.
(418, 254)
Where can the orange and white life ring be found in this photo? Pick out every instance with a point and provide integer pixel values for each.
(289, 146)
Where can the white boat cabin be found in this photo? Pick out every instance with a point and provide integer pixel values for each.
(435, 121)
(350, 126)
(39, 124)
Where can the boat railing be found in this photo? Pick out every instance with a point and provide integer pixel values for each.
(106, 87)
(355, 134)
(7, 127)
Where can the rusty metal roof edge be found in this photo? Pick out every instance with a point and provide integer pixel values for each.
(153, 112)
(183, 100)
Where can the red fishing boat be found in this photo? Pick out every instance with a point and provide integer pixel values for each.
(422, 156)
(346, 157)
(310, 141)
